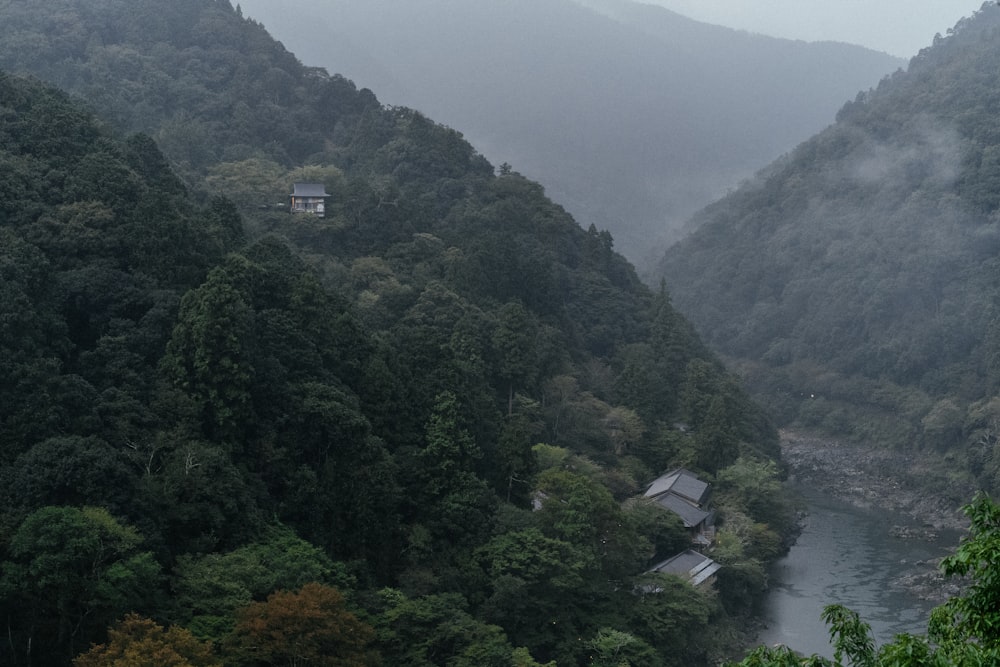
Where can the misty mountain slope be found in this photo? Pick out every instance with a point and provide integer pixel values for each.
(861, 271)
(631, 129)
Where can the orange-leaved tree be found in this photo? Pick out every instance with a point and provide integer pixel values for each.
(140, 642)
(310, 627)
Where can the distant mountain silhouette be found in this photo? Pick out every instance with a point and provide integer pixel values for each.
(632, 120)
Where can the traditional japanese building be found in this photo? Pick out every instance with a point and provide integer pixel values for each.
(309, 198)
(681, 492)
(690, 565)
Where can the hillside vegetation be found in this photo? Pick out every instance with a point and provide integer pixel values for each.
(238, 436)
(855, 281)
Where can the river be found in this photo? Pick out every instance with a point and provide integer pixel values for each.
(847, 555)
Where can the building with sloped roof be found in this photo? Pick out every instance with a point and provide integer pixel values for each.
(680, 482)
(695, 567)
(309, 198)
(681, 492)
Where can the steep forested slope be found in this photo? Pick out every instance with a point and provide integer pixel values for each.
(632, 120)
(857, 277)
(207, 88)
(226, 422)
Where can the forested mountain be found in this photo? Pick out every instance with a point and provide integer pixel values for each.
(276, 436)
(633, 117)
(856, 279)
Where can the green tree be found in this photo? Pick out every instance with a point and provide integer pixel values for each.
(31, 335)
(576, 509)
(664, 530)
(89, 472)
(582, 511)
(70, 572)
(754, 486)
(224, 226)
(209, 589)
(625, 428)
(516, 459)
(209, 356)
(716, 438)
(668, 616)
(437, 630)
(515, 339)
(254, 181)
(974, 616)
(614, 648)
(534, 583)
(199, 499)
(450, 452)
(942, 426)
(701, 383)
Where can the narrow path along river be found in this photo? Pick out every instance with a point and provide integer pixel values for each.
(851, 556)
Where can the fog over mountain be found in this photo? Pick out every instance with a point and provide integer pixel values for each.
(855, 280)
(630, 115)
(899, 27)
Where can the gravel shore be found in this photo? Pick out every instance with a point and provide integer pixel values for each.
(874, 478)
(869, 477)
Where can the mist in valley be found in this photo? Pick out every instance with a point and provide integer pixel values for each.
(632, 116)
(433, 409)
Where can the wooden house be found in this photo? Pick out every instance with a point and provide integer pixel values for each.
(681, 492)
(309, 198)
(690, 565)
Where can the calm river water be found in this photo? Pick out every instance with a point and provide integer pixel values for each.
(846, 555)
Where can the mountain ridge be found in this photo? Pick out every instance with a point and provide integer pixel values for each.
(631, 129)
(854, 279)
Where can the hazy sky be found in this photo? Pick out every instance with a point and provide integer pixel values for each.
(898, 27)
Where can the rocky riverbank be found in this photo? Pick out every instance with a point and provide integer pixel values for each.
(874, 478)
(888, 480)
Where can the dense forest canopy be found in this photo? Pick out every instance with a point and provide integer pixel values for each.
(236, 435)
(855, 280)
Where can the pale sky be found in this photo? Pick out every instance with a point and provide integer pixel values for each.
(898, 27)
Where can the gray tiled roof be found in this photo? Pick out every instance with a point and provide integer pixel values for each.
(309, 190)
(689, 564)
(681, 482)
(689, 514)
